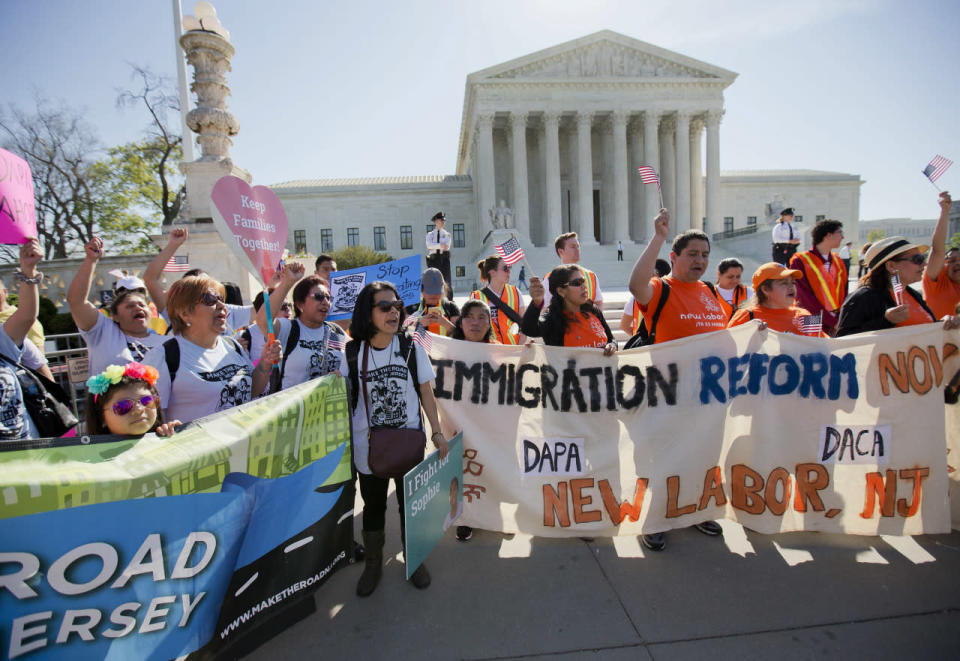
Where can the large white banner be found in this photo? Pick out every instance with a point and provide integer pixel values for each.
(775, 431)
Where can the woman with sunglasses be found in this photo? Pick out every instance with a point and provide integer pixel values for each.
(201, 370)
(571, 319)
(123, 400)
(312, 346)
(499, 295)
(395, 400)
(892, 263)
(123, 337)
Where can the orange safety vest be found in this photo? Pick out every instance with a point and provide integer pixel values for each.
(827, 284)
(588, 275)
(637, 315)
(501, 323)
(739, 296)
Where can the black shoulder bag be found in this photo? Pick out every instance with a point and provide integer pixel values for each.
(46, 402)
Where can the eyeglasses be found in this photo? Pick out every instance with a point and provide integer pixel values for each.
(506, 267)
(124, 406)
(320, 297)
(211, 299)
(577, 282)
(918, 259)
(386, 306)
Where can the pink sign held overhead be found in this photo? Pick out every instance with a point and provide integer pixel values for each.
(251, 220)
(18, 214)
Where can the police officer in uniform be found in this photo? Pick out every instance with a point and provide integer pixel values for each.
(438, 247)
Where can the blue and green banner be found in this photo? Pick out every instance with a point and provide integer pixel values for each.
(432, 501)
(158, 548)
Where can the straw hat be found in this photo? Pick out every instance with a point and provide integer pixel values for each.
(891, 246)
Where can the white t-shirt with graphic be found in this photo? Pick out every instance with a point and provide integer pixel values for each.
(207, 380)
(307, 360)
(15, 423)
(392, 394)
(108, 345)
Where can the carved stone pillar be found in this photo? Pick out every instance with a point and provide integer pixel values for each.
(668, 163)
(634, 184)
(713, 172)
(486, 184)
(696, 175)
(621, 208)
(551, 155)
(521, 199)
(682, 142)
(651, 157)
(585, 179)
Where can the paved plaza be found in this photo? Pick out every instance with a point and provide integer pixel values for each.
(745, 596)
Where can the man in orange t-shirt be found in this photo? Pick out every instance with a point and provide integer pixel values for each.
(776, 291)
(825, 281)
(941, 277)
(691, 307)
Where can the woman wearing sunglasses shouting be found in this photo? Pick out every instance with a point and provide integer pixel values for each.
(201, 370)
(312, 346)
(123, 400)
(885, 298)
(571, 319)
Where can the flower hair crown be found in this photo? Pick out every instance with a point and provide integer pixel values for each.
(99, 384)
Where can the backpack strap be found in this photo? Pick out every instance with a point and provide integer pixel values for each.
(500, 305)
(353, 382)
(171, 355)
(750, 312)
(292, 340)
(664, 294)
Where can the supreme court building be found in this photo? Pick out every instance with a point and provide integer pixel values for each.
(550, 143)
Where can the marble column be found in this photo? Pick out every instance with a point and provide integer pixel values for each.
(668, 165)
(682, 142)
(696, 175)
(621, 203)
(521, 198)
(651, 157)
(584, 179)
(486, 184)
(635, 140)
(551, 156)
(713, 222)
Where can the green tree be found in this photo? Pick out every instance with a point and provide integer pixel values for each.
(954, 241)
(353, 257)
(132, 197)
(875, 235)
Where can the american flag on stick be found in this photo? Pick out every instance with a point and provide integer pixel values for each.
(178, 264)
(812, 324)
(897, 288)
(648, 175)
(936, 167)
(510, 250)
(422, 337)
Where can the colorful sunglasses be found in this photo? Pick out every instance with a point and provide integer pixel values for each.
(124, 406)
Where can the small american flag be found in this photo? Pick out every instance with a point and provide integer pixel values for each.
(811, 324)
(897, 288)
(937, 166)
(178, 264)
(510, 250)
(422, 337)
(648, 175)
(336, 342)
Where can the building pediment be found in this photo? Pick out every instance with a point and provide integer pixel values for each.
(603, 55)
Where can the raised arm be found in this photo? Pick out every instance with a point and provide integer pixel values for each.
(151, 277)
(938, 244)
(28, 304)
(643, 270)
(81, 309)
(292, 273)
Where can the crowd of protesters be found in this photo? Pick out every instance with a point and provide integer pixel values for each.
(216, 353)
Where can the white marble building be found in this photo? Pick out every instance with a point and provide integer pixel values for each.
(555, 137)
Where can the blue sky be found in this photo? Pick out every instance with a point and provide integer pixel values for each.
(346, 89)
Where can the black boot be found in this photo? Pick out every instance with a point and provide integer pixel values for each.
(372, 563)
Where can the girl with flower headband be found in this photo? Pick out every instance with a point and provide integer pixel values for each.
(123, 400)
